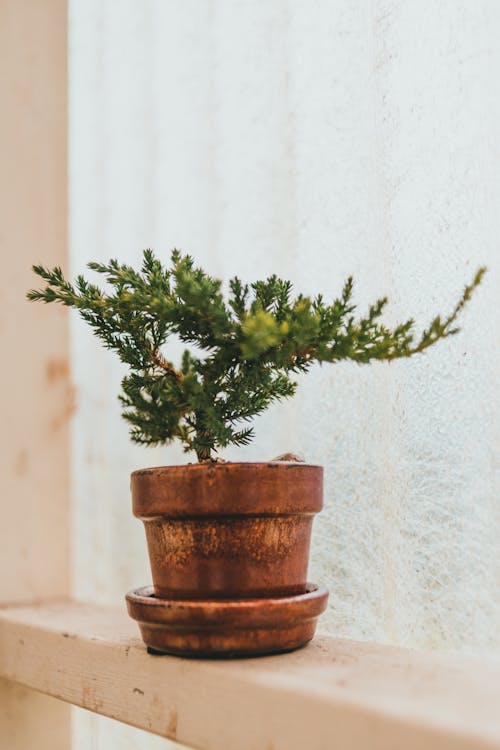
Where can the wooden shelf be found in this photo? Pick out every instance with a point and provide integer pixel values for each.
(332, 694)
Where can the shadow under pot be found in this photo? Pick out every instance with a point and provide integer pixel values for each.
(232, 532)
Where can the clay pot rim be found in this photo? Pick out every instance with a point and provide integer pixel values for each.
(227, 489)
(206, 466)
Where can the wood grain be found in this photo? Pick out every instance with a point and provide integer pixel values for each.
(333, 693)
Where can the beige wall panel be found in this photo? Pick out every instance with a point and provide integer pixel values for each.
(36, 396)
(36, 392)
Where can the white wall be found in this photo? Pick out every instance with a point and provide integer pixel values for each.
(315, 139)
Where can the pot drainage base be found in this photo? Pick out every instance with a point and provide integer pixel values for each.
(226, 628)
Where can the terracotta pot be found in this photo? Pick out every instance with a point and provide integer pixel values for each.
(229, 546)
(228, 530)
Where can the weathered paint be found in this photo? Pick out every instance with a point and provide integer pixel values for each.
(333, 693)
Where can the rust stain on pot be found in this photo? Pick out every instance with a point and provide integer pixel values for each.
(249, 556)
(261, 539)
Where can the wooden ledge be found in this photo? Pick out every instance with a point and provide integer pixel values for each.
(332, 694)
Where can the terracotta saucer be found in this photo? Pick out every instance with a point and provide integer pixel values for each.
(226, 628)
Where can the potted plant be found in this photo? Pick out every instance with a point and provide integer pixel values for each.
(228, 542)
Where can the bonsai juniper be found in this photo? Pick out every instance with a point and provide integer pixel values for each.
(247, 348)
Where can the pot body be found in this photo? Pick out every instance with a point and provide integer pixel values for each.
(228, 530)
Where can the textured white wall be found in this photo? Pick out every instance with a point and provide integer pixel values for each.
(315, 139)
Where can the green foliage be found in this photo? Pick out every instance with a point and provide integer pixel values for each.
(247, 348)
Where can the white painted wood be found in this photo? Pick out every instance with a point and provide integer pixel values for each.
(36, 392)
(334, 693)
